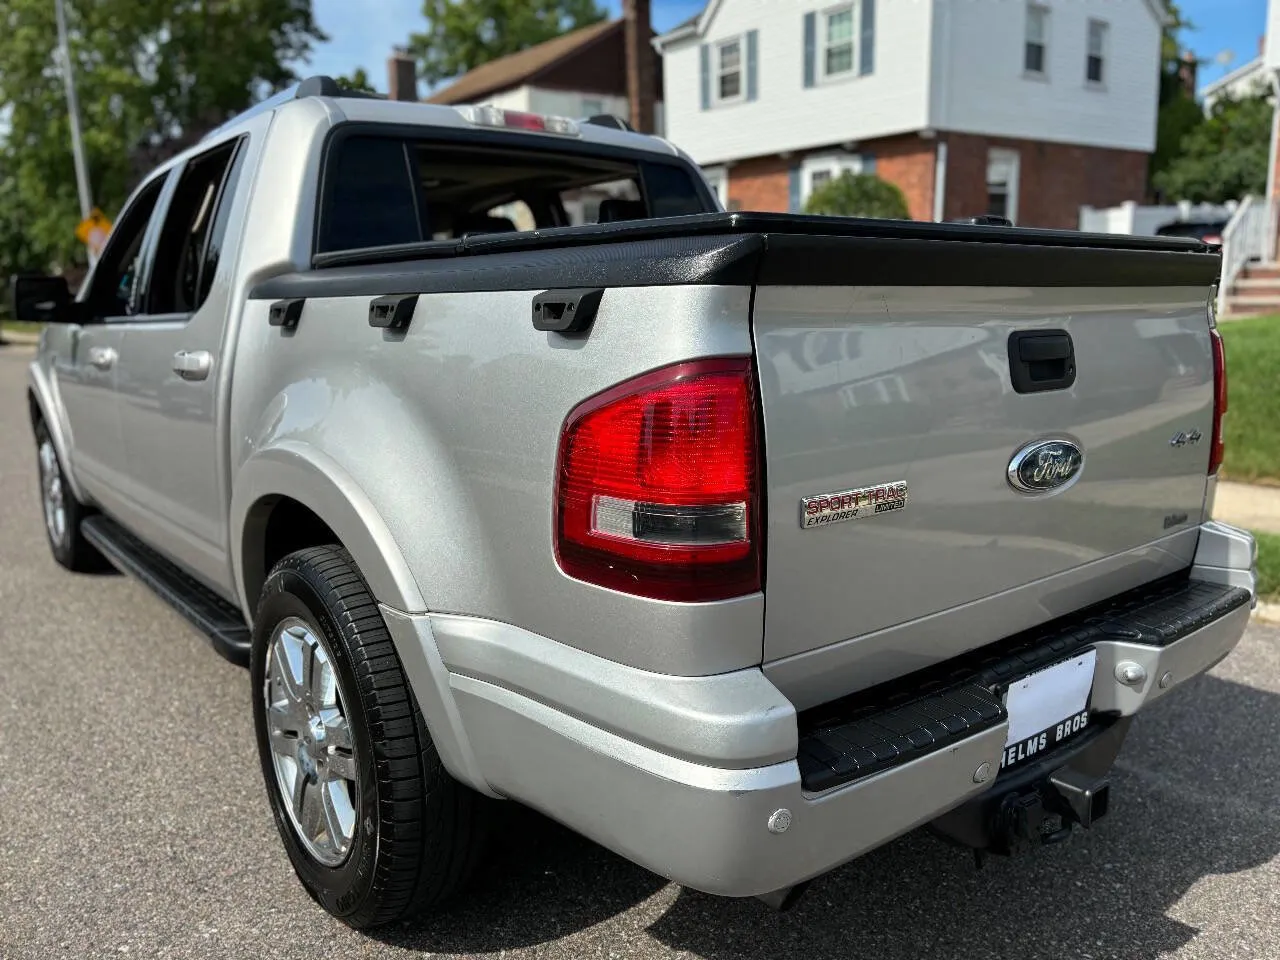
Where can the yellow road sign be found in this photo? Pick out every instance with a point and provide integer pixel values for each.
(93, 230)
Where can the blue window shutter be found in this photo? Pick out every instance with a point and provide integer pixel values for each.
(810, 49)
(868, 163)
(705, 53)
(867, 50)
(752, 88)
(793, 190)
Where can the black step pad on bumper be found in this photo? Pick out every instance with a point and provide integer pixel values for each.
(209, 613)
(911, 717)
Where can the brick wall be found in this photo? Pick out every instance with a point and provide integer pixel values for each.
(1054, 179)
(761, 183)
(764, 183)
(907, 162)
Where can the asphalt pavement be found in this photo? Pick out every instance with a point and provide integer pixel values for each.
(133, 820)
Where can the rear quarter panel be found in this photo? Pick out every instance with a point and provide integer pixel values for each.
(451, 430)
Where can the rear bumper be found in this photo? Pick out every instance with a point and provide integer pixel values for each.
(700, 779)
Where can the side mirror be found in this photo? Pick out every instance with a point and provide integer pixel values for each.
(41, 299)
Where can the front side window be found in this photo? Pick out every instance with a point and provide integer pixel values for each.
(1035, 49)
(729, 69)
(838, 47)
(117, 280)
(1094, 65)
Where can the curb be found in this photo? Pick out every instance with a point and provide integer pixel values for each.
(12, 338)
(1267, 612)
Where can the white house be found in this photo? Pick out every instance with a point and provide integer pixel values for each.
(1024, 109)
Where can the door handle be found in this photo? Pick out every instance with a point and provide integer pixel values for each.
(192, 364)
(103, 358)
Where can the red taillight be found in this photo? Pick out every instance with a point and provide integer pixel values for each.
(1217, 446)
(656, 485)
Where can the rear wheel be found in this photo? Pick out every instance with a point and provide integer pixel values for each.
(376, 828)
(61, 511)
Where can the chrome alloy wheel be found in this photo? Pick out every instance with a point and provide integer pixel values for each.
(311, 745)
(52, 496)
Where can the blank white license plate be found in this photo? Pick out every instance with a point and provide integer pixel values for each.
(1047, 707)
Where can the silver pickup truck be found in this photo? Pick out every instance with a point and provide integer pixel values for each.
(739, 543)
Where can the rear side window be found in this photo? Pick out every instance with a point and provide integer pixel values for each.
(387, 190)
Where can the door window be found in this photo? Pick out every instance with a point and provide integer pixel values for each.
(117, 286)
(195, 227)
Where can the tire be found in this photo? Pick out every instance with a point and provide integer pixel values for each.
(415, 833)
(61, 511)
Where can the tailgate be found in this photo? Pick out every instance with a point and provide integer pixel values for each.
(876, 395)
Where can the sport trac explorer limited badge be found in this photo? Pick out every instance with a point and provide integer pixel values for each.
(856, 504)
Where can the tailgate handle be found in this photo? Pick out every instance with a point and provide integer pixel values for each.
(1041, 360)
(566, 311)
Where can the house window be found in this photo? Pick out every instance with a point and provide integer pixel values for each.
(1094, 63)
(1037, 43)
(718, 181)
(1002, 184)
(729, 69)
(815, 171)
(592, 108)
(837, 48)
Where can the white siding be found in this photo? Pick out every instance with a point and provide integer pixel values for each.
(515, 99)
(565, 103)
(569, 103)
(1271, 48)
(787, 115)
(1241, 83)
(980, 87)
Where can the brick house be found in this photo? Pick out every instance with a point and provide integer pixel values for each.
(1023, 109)
(579, 74)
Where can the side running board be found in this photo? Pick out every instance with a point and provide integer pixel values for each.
(218, 620)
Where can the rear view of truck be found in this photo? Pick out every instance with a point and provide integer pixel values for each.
(739, 543)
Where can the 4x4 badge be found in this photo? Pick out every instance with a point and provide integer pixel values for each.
(857, 504)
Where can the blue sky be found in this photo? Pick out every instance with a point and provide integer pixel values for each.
(363, 31)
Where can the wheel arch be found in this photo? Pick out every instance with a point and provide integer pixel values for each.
(322, 498)
(316, 494)
(41, 406)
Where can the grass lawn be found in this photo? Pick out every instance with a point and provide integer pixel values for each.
(20, 326)
(1268, 565)
(1253, 400)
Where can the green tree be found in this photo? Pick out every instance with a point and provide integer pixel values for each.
(858, 195)
(462, 34)
(357, 80)
(1178, 113)
(153, 76)
(1223, 158)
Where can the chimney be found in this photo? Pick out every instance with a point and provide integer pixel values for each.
(402, 75)
(1187, 73)
(639, 54)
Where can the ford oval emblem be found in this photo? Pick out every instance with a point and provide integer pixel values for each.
(1045, 465)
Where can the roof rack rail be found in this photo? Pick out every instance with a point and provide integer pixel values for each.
(317, 86)
(609, 120)
(322, 86)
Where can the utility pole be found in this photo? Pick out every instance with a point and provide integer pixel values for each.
(73, 112)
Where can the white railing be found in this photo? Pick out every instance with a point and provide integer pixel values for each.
(1246, 237)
